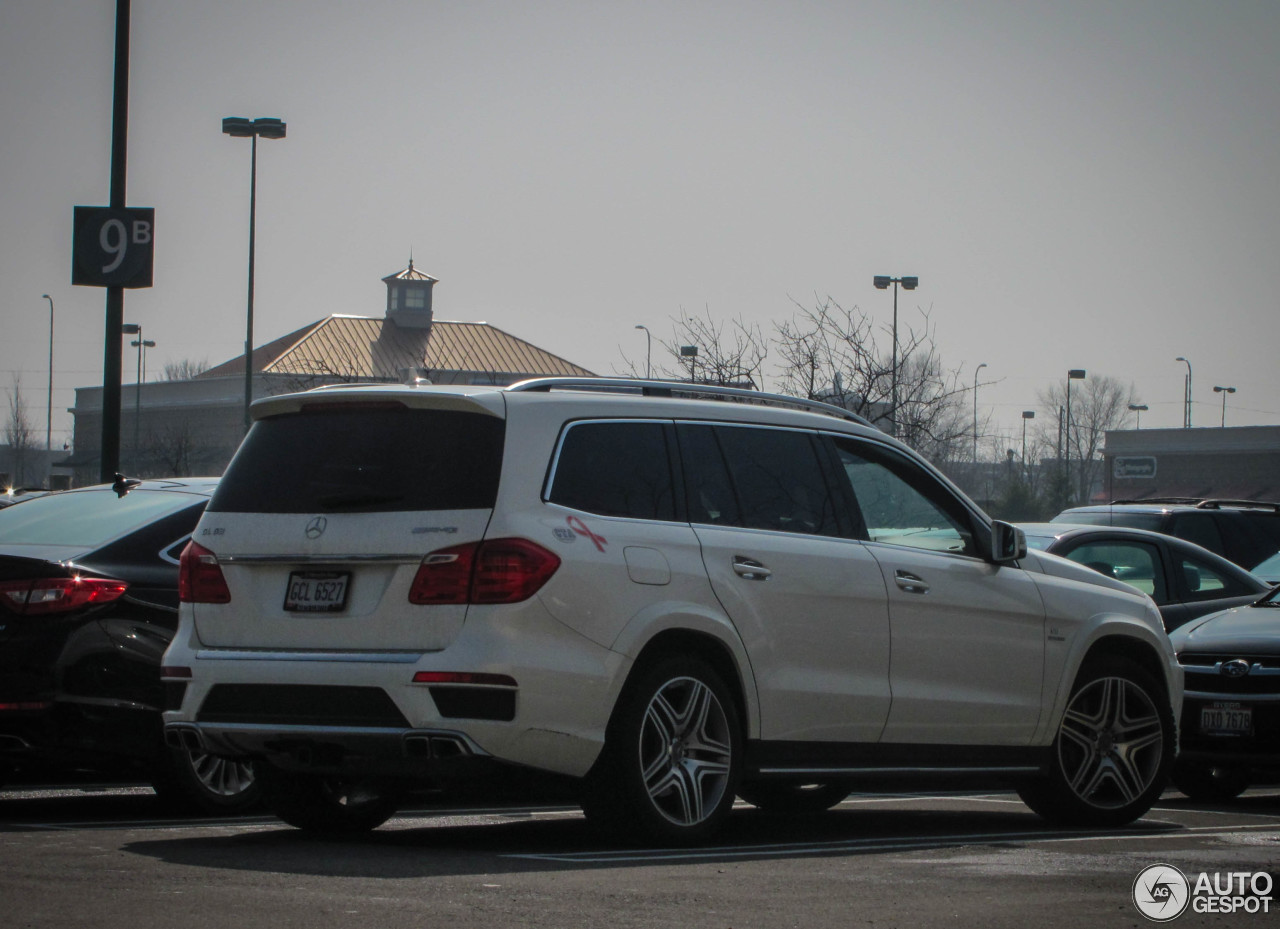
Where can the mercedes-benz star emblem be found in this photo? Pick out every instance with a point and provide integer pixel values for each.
(316, 527)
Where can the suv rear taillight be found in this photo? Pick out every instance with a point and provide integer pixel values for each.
(200, 578)
(48, 595)
(496, 571)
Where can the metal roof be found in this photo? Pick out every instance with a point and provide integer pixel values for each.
(362, 347)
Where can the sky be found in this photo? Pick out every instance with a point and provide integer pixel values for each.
(1077, 184)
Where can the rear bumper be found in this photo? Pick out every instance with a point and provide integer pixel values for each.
(387, 752)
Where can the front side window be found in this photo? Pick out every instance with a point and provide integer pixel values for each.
(901, 503)
(1135, 563)
(615, 469)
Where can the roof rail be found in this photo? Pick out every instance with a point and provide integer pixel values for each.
(659, 388)
(1205, 503)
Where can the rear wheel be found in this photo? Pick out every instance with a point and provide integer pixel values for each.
(793, 798)
(206, 782)
(1114, 749)
(672, 755)
(329, 806)
(1209, 782)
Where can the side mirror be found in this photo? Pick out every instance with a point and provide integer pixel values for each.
(1008, 543)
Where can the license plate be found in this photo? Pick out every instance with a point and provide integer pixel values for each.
(1226, 719)
(317, 591)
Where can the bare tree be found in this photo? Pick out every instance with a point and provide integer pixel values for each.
(731, 355)
(830, 353)
(184, 370)
(172, 447)
(19, 434)
(1098, 404)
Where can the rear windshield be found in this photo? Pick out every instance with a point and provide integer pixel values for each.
(88, 518)
(364, 460)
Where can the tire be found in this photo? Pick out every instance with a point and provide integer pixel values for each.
(328, 806)
(1208, 782)
(796, 799)
(198, 781)
(672, 755)
(1114, 749)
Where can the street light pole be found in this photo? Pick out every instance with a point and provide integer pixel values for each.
(1224, 391)
(1026, 414)
(1186, 415)
(909, 283)
(1139, 409)
(269, 128)
(1075, 374)
(975, 410)
(648, 352)
(48, 429)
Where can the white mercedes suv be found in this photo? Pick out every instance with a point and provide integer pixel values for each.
(669, 599)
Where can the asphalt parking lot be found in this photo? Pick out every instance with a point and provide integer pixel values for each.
(106, 856)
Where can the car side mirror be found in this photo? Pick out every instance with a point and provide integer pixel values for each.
(1008, 543)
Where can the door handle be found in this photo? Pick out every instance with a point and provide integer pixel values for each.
(910, 583)
(750, 569)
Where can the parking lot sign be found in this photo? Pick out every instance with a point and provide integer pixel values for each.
(113, 247)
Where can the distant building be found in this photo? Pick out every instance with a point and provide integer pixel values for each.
(1235, 463)
(174, 428)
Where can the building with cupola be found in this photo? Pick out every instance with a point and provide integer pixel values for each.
(193, 427)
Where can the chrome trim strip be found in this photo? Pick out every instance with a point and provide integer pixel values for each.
(336, 558)
(1217, 697)
(1014, 769)
(242, 654)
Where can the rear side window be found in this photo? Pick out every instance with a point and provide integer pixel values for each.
(350, 458)
(1135, 563)
(615, 469)
(1199, 528)
(1204, 581)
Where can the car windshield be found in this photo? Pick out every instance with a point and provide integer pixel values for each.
(85, 518)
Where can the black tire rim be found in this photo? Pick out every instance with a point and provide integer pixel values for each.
(686, 751)
(1111, 743)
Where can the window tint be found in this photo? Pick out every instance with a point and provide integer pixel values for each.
(615, 469)
(1135, 563)
(350, 458)
(778, 480)
(1204, 581)
(1200, 529)
(708, 490)
(901, 503)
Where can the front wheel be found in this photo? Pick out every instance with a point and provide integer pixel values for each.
(672, 755)
(1114, 749)
(329, 806)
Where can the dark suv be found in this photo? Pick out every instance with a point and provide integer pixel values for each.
(1244, 531)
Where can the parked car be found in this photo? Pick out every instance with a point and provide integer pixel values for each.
(1244, 531)
(1231, 718)
(88, 604)
(667, 598)
(1185, 580)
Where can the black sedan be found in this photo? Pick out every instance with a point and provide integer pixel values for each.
(1230, 730)
(1185, 580)
(88, 604)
